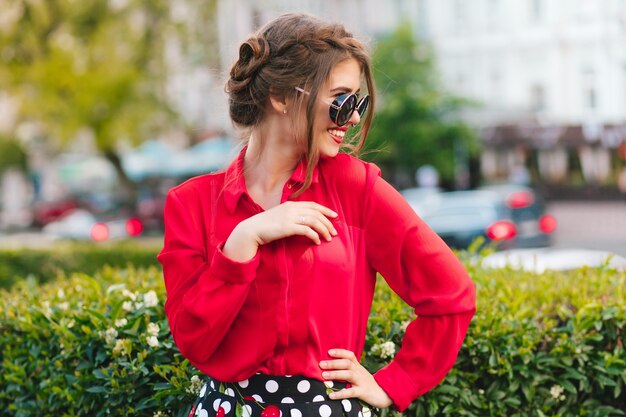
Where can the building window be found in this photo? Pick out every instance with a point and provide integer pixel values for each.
(591, 98)
(536, 10)
(459, 20)
(537, 98)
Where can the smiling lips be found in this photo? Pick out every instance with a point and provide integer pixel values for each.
(337, 134)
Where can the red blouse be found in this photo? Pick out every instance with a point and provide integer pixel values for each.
(281, 312)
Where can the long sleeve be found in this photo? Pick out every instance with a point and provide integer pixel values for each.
(205, 289)
(426, 274)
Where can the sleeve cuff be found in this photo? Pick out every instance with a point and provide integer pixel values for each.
(397, 384)
(231, 271)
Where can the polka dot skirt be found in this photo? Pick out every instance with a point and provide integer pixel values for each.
(276, 396)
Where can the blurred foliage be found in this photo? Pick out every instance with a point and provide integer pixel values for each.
(12, 154)
(416, 121)
(99, 65)
(41, 265)
(99, 344)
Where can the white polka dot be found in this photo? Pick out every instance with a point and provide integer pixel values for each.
(271, 386)
(360, 414)
(367, 412)
(203, 413)
(287, 400)
(226, 405)
(304, 386)
(325, 411)
(247, 411)
(212, 385)
(318, 398)
(295, 412)
(216, 404)
(258, 398)
(230, 392)
(243, 383)
(347, 405)
(203, 390)
(329, 384)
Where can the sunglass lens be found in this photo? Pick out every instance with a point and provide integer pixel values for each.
(345, 109)
(361, 107)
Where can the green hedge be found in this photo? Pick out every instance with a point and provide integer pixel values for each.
(540, 345)
(87, 257)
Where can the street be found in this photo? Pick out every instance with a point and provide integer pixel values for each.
(584, 225)
(590, 225)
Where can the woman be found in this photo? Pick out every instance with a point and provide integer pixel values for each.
(270, 265)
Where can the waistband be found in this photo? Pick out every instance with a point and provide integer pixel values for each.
(276, 396)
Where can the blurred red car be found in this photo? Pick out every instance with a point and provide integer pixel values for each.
(81, 224)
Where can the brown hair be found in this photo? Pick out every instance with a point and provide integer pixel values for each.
(294, 50)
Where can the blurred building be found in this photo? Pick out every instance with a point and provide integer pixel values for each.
(551, 79)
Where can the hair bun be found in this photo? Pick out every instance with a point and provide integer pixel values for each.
(253, 55)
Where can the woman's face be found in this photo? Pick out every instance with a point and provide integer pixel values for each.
(345, 77)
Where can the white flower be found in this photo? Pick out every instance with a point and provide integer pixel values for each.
(121, 322)
(129, 294)
(127, 306)
(45, 306)
(120, 347)
(64, 305)
(79, 287)
(481, 392)
(153, 329)
(195, 386)
(150, 299)
(110, 335)
(404, 325)
(61, 293)
(384, 350)
(556, 391)
(71, 323)
(138, 305)
(152, 341)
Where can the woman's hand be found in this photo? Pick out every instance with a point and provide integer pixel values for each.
(363, 384)
(291, 218)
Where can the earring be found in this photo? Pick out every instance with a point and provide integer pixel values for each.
(284, 111)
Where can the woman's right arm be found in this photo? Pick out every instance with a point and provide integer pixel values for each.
(204, 296)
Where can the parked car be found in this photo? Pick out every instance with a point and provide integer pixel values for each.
(509, 220)
(81, 224)
(421, 199)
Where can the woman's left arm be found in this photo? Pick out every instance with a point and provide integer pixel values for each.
(427, 275)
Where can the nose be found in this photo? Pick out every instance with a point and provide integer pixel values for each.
(355, 118)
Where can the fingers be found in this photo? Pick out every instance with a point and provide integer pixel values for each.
(320, 224)
(343, 375)
(315, 217)
(344, 393)
(342, 353)
(337, 364)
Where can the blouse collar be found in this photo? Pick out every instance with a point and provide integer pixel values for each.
(235, 182)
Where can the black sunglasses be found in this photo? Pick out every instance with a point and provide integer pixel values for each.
(343, 106)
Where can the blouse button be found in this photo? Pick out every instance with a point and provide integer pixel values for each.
(289, 186)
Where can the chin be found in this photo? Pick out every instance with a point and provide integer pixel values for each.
(328, 153)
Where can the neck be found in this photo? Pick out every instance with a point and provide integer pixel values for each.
(269, 161)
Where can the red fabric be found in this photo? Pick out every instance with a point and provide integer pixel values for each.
(281, 312)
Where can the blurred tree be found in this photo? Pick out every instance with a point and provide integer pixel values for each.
(416, 121)
(99, 65)
(12, 154)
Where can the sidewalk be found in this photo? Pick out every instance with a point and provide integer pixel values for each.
(592, 225)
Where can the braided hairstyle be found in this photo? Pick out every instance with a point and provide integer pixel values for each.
(294, 50)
